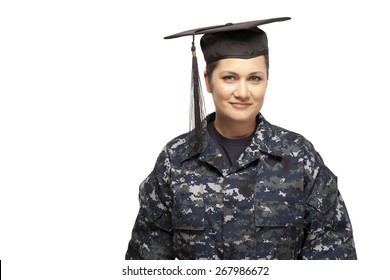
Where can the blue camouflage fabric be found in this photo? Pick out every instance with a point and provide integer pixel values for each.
(279, 201)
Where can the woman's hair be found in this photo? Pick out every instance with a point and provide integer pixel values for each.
(211, 66)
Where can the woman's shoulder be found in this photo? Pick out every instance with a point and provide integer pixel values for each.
(178, 146)
(285, 138)
(179, 142)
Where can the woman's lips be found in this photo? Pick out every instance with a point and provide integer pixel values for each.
(240, 105)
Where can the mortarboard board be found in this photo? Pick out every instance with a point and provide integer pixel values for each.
(226, 27)
(231, 40)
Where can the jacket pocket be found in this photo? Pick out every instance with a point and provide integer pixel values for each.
(188, 231)
(279, 230)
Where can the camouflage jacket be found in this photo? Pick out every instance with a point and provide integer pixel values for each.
(279, 201)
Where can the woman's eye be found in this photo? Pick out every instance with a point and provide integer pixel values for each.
(255, 79)
(229, 78)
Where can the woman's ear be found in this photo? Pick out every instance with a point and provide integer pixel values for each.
(207, 81)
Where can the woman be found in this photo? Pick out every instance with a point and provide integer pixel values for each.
(238, 187)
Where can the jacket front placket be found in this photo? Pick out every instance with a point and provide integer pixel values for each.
(233, 197)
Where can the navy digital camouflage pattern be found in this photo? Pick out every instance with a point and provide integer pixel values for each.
(279, 201)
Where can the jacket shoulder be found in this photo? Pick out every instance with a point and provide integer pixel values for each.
(288, 141)
(178, 146)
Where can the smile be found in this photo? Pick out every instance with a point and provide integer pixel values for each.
(240, 105)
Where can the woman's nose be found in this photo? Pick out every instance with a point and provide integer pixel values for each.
(242, 91)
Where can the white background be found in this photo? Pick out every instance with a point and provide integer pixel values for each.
(90, 93)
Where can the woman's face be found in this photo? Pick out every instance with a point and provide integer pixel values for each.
(238, 87)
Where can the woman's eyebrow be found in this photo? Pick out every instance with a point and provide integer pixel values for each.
(256, 73)
(229, 72)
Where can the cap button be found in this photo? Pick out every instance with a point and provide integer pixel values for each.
(228, 24)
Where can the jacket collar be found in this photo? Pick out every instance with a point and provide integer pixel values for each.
(265, 141)
(267, 138)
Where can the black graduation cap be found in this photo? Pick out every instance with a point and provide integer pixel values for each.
(231, 40)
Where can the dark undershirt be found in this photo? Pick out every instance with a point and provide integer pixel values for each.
(231, 149)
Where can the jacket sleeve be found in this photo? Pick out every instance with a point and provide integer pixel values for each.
(329, 230)
(152, 233)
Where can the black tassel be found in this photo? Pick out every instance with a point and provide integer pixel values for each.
(197, 110)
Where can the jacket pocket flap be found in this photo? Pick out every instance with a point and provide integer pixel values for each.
(188, 217)
(278, 214)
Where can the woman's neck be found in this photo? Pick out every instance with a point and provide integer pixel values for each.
(235, 130)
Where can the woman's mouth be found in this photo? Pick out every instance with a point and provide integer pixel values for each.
(240, 105)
